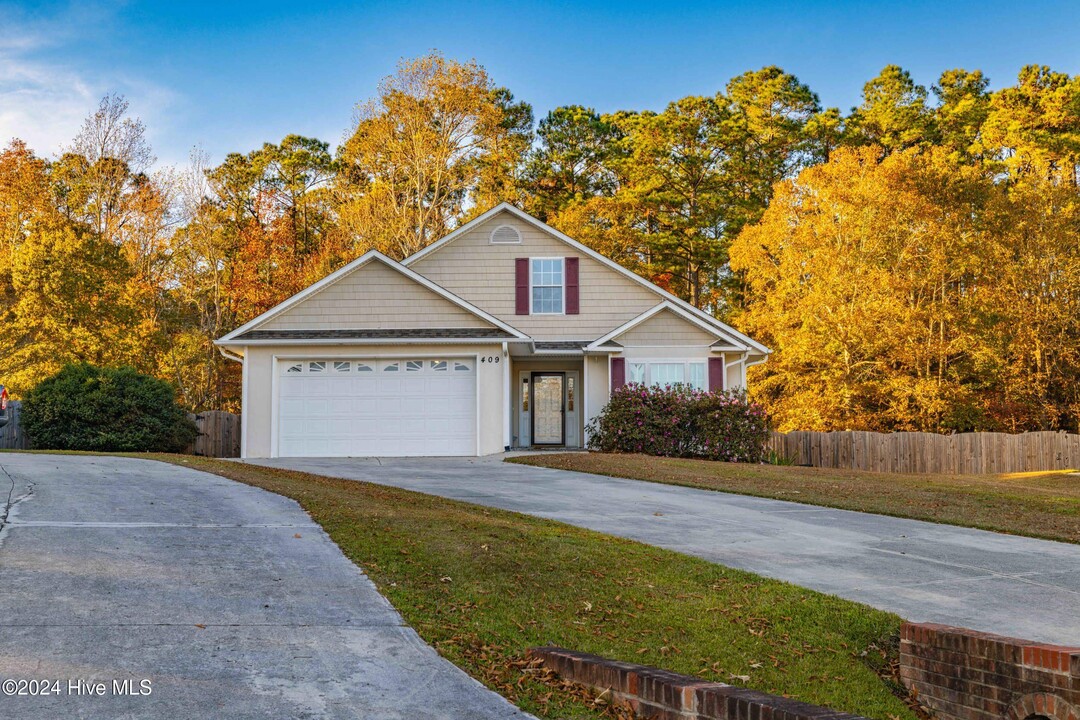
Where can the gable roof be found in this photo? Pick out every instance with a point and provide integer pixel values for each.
(738, 338)
(240, 336)
(726, 342)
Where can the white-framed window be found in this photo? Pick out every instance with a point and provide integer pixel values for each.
(414, 365)
(342, 366)
(461, 367)
(438, 365)
(697, 378)
(668, 372)
(363, 367)
(547, 286)
(317, 367)
(505, 235)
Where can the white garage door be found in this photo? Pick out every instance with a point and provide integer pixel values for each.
(390, 407)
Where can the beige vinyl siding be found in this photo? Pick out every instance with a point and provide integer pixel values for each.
(374, 296)
(665, 329)
(597, 386)
(483, 274)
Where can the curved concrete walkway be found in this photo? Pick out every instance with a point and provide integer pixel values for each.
(922, 571)
(225, 597)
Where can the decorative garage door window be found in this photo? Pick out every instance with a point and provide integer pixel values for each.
(334, 367)
(371, 407)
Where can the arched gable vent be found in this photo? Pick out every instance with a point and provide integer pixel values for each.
(505, 235)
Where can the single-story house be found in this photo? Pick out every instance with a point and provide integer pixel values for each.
(504, 334)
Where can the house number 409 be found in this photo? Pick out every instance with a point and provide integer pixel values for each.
(491, 358)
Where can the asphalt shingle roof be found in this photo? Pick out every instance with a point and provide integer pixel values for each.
(378, 334)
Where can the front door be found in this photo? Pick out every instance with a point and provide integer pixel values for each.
(548, 413)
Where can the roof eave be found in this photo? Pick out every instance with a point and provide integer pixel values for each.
(369, 341)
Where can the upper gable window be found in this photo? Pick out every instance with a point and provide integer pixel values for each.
(548, 287)
(505, 235)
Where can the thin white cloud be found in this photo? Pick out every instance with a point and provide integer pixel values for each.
(44, 101)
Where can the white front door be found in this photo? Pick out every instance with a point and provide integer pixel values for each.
(377, 407)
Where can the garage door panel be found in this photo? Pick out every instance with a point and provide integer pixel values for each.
(314, 406)
(388, 406)
(341, 406)
(415, 406)
(316, 386)
(438, 426)
(292, 407)
(387, 386)
(439, 405)
(400, 406)
(363, 408)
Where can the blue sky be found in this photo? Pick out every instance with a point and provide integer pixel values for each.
(230, 75)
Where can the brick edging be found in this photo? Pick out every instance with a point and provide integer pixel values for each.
(970, 675)
(655, 693)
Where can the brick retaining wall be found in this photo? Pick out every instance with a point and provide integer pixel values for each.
(663, 695)
(967, 675)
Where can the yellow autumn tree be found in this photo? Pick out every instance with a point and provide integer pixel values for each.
(866, 275)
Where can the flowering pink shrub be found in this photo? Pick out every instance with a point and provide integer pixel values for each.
(679, 421)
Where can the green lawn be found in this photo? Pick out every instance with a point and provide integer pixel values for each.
(483, 585)
(1045, 505)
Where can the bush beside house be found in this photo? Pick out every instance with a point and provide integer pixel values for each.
(84, 407)
(679, 421)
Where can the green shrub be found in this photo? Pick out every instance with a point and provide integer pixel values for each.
(679, 421)
(84, 407)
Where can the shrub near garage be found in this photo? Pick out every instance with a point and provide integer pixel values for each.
(679, 421)
(84, 407)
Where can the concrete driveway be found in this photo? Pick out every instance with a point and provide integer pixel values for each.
(922, 571)
(226, 598)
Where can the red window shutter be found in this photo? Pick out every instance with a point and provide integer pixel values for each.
(618, 373)
(716, 374)
(573, 303)
(521, 269)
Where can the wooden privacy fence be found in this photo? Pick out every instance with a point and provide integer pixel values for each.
(219, 433)
(920, 452)
(11, 435)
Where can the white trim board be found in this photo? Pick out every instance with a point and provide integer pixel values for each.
(370, 255)
(727, 330)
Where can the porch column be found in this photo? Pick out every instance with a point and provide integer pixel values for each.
(507, 408)
(585, 400)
